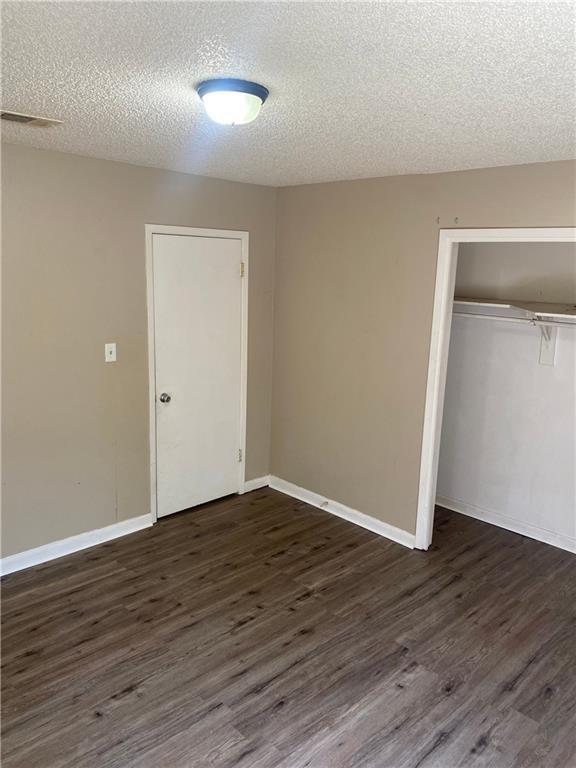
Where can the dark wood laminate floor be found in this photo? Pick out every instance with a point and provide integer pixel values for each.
(260, 632)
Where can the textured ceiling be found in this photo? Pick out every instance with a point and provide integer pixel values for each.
(356, 89)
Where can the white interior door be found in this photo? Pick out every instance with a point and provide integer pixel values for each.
(198, 349)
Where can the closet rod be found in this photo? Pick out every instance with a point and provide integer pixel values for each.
(531, 321)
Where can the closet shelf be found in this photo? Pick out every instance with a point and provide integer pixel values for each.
(534, 312)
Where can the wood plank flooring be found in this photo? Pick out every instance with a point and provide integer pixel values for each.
(259, 632)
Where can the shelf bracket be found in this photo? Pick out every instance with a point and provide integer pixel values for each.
(548, 336)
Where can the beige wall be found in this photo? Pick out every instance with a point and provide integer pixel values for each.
(353, 306)
(353, 298)
(75, 447)
(522, 271)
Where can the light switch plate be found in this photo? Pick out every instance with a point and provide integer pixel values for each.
(110, 352)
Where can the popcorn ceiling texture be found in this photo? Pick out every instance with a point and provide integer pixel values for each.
(356, 89)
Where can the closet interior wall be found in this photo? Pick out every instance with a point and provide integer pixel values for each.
(508, 447)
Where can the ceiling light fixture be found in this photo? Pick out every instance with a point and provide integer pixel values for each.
(232, 102)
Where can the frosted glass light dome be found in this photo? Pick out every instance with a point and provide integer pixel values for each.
(232, 102)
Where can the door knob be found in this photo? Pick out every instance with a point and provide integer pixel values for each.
(165, 397)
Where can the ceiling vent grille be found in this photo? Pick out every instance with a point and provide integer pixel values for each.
(33, 120)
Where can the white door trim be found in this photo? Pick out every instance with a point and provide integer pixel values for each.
(448, 243)
(161, 229)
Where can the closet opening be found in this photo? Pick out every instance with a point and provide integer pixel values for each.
(499, 435)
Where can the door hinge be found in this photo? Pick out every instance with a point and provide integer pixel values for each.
(239, 454)
(241, 269)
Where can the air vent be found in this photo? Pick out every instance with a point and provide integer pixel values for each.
(33, 120)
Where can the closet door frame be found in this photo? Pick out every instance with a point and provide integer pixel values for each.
(448, 243)
(243, 237)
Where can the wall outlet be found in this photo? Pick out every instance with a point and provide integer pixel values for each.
(110, 352)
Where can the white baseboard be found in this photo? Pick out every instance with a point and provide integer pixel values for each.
(511, 524)
(347, 513)
(72, 544)
(257, 482)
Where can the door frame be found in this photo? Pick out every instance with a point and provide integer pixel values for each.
(226, 234)
(448, 243)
